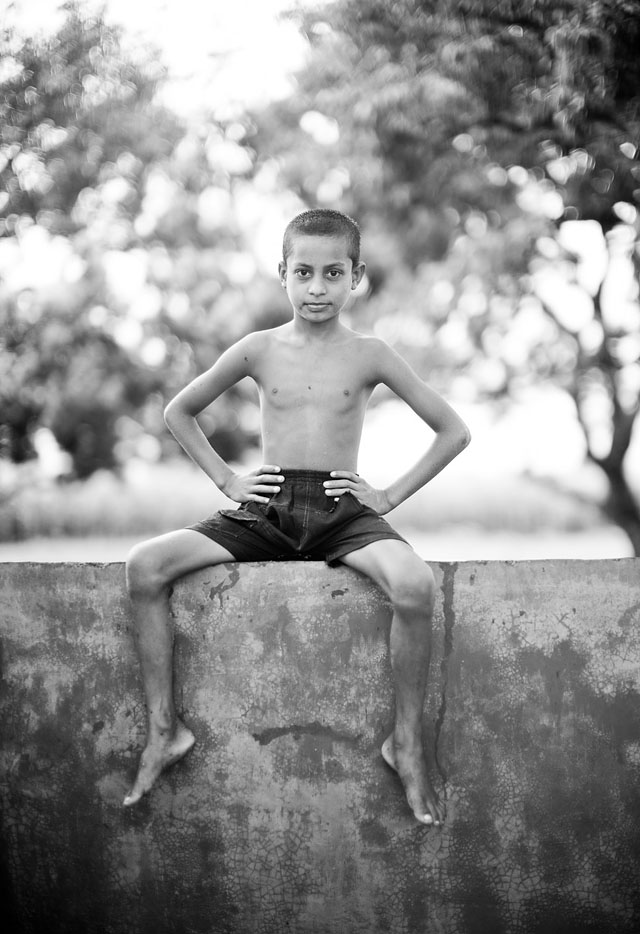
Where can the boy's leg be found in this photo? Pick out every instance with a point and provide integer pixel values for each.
(151, 568)
(409, 584)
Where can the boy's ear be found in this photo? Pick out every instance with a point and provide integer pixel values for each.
(282, 272)
(356, 274)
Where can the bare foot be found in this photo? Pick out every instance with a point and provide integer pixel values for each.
(160, 752)
(411, 767)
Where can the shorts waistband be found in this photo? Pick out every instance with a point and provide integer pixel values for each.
(294, 473)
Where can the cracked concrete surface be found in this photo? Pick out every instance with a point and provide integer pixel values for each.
(283, 816)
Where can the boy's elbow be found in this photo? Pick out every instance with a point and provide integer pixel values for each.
(462, 438)
(177, 415)
(170, 413)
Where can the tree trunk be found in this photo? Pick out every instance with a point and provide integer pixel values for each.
(621, 505)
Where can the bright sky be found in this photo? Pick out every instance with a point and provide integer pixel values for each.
(220, 54)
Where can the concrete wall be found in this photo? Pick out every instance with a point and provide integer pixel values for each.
(284, 818)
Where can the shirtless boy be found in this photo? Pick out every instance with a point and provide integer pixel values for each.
(314, 377)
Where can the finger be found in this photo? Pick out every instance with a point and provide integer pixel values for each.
(342, 484)
(267, 468)
(262, 494)
(344, 474)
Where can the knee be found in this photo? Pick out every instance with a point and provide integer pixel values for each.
(413, 590)
(144, 576)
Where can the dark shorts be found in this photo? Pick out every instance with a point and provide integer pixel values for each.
(298, 522)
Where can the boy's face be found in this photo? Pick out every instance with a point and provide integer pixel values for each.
(319, 276)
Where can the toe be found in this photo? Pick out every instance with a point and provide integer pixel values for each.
(436, 813)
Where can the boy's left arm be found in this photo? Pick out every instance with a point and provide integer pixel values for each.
(451, 436)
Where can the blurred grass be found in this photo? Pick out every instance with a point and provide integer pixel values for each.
(145, 498)
(515, 503)
(150, 499)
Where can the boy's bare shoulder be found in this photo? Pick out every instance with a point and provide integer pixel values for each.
(372, 349)
(254, 345)
(369, 343)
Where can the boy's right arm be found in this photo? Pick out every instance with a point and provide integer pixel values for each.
(181, 419)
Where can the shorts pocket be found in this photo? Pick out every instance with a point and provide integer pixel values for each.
(348, 504)
(240, 515)
(354, 499)
(251, 515)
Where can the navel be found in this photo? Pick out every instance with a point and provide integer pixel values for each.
(274, 391)
(346, 392)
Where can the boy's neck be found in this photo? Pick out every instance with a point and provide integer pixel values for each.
(317, 331)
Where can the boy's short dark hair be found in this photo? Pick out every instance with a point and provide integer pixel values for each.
(323, 222)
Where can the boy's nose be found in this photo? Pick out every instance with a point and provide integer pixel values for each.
(317, 287)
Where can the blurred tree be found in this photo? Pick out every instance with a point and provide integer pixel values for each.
(73, 111)
(464, 134)
(71, 105)
(68, 375)
(123, 256)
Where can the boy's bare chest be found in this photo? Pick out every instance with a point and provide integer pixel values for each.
(297, 380)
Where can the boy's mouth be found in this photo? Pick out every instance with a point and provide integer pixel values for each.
(317, 306)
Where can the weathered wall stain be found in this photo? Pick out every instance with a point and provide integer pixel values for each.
(219, 589)
(264, 737)
(284, 817)
(449, 613)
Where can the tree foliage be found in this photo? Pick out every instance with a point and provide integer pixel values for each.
(136, 212)
(71, 105)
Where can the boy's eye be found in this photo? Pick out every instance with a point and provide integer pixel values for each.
(306, 273)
